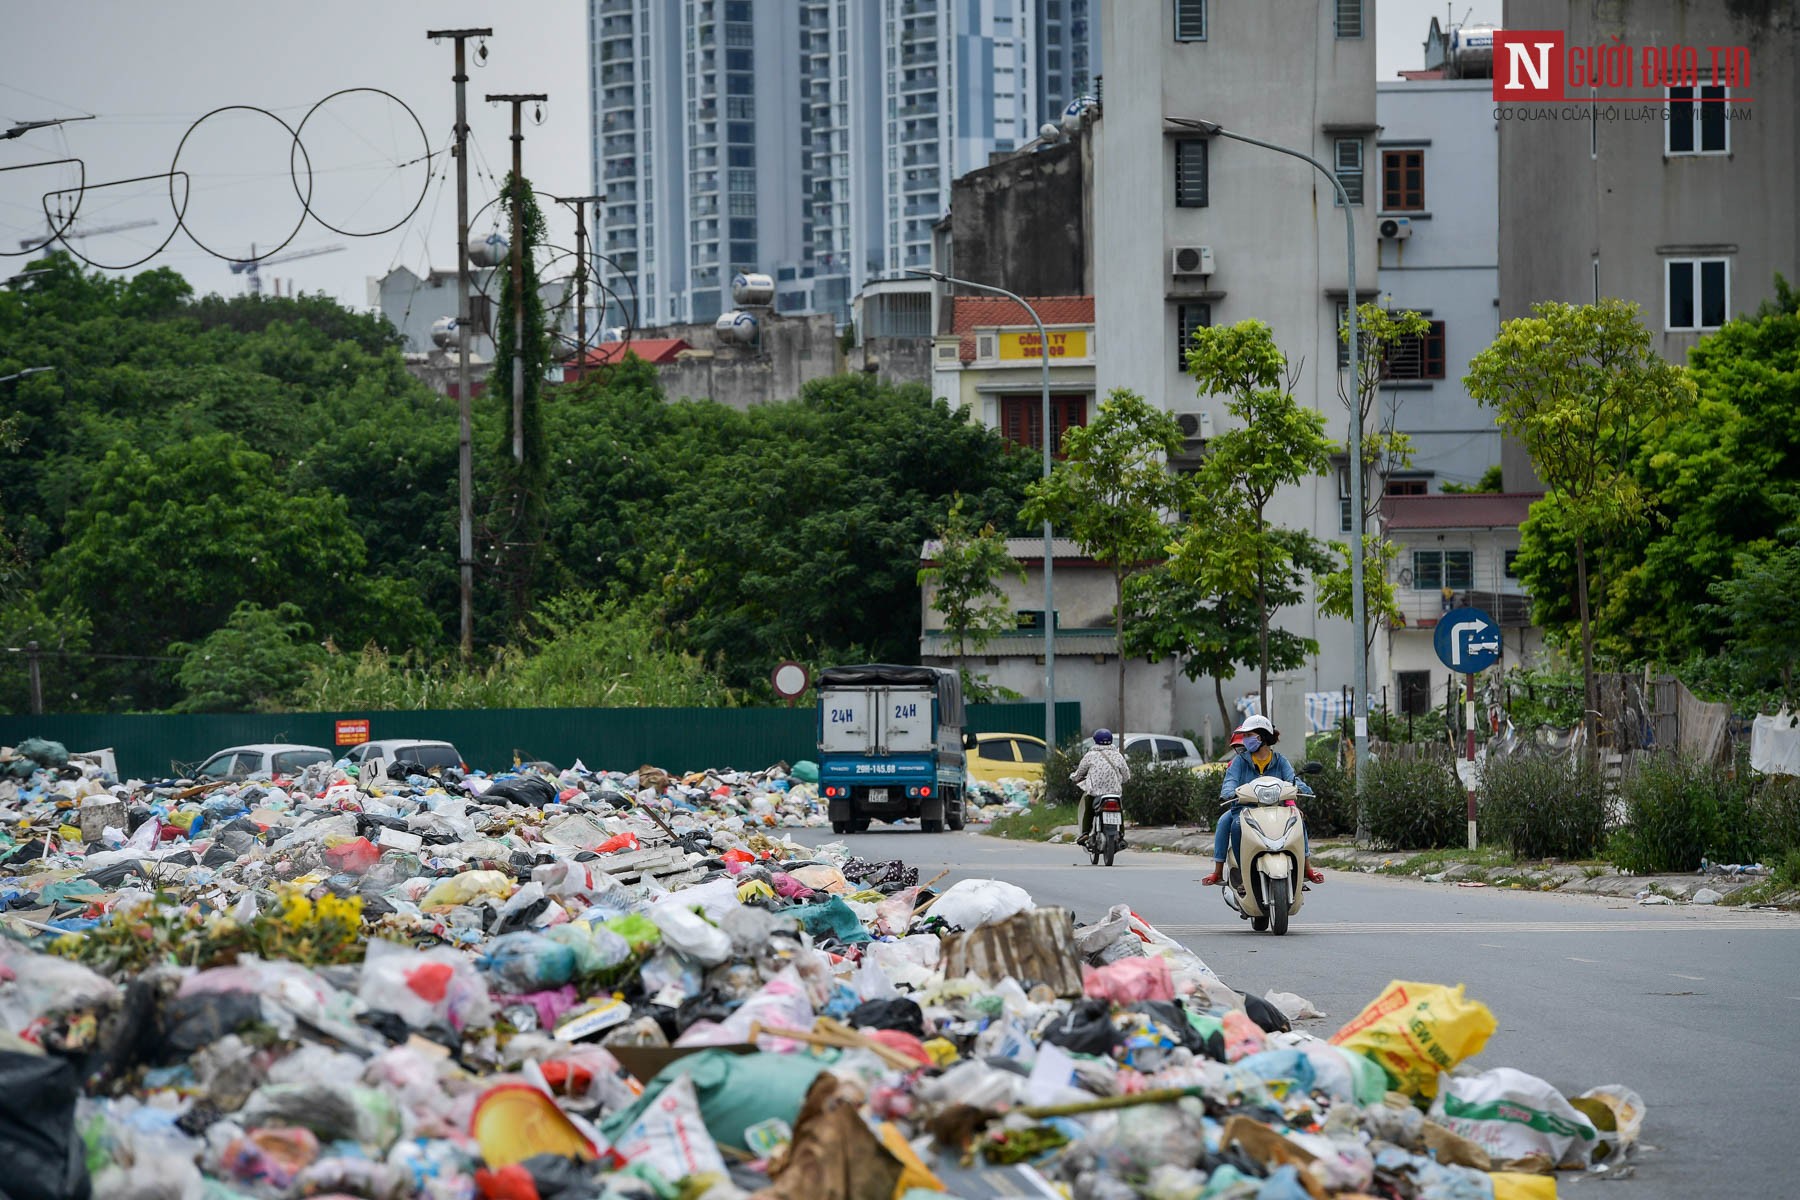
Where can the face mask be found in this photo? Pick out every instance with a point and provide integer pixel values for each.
(1252, 743)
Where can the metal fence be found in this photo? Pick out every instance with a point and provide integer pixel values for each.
(154, 745)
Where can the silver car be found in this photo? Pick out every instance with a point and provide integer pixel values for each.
(267, 758)
(428, 754)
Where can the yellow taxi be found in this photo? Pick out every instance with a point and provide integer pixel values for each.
(997, 756)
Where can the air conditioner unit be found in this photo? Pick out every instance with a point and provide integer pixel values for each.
(1396, 227)
(1195, 427)
(1191, 260)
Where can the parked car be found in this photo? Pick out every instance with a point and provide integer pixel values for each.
(272, 758)
(1164, 749)
(997, 756)
(428, 754)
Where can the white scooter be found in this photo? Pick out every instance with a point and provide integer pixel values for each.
(1108, 833)
(1267, 887)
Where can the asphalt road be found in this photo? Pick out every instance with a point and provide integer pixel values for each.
(1694, 1008)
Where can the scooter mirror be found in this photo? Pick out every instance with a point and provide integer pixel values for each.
(969, 742)
(1312, 768)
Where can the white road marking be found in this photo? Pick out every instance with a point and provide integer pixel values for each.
(1572, 958)
(1301, 924)
(1695, 978)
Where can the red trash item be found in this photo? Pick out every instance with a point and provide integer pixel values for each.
(735, 855)
(1129, 980)
(619, 841)
(508, 1183)
(353, 857)
(567, 794)
(567, 1078)
(904, 1042)
(431, 981)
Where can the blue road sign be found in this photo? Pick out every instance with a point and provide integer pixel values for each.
(1467, 640)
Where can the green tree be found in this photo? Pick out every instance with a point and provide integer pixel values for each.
(1278, 443)
(521, 355)
(967, 561)
(1576, 384)
(1761, 619)
(1114, 494)
(252, 661)
(1490, 482)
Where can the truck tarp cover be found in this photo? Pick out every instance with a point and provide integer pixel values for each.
(948, 684)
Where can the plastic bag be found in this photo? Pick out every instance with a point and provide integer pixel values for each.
(833, 918)
(1292, 1005)
(43, 1153)
(527, 962)
(461, 889)
(671, 1137)
(686, 931)
(639, 931)
(34, 985)
(972, 903)
(1129, 980)
(424, 987)
(596, 949)
(1415, 1030)
(1517, 1118)
(1617, 1112)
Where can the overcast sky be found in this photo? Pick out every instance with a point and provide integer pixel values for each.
(148, 71)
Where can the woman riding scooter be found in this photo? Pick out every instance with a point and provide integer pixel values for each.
(1259, 758)
(1102, 771)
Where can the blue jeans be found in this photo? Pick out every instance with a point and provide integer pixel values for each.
(1228, 830)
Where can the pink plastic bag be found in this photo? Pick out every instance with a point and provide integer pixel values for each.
(1243, 1037)
(1129, 980)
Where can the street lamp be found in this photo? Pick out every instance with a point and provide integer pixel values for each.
(1049, 547)
(22, 374)
(1358, 601)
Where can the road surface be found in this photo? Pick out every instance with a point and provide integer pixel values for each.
(1693, 1007)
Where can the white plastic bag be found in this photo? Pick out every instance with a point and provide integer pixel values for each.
(1515, 1116)
(1293, 1006)
(972, 903)
(670, 1137)
(687, 931)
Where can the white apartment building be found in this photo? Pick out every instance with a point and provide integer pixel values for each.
(1196, 230)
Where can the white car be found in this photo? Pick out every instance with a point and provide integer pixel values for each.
(1164, 749)
(268, 758)
(428, 754)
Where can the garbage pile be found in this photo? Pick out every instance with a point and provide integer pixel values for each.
(539, 987)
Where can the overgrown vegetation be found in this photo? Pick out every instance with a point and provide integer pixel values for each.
(1035, 824)
(1679, 810)
(1542, 806)
(1331, 812)
(1415, 804)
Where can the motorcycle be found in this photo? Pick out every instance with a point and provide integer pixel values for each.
(1108, 834)
(1263, 878)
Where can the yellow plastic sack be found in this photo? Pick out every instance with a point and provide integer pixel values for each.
(1415, 1030)
(1510, 1185)
(756, 889)
(461, 889)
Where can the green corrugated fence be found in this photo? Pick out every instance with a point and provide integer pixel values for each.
(150, 746)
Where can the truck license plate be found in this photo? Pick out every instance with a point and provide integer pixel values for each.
(878, 795)
(1111, 819)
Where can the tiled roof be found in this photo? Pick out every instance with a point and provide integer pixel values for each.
(652, 350)
(1477, 510)
(975, 312)
(1433, 73)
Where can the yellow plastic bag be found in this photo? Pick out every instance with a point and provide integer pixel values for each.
(1510, 1185)
(1414, 1030)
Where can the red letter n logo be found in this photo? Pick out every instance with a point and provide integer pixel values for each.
(1528, 64)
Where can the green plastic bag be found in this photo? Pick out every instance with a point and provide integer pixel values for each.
(833, 917)
(735, 1091)
(637, 930)
(806, 771)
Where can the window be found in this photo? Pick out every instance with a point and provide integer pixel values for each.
(1403, 180)
(1699, 293)
(1434, 570)
(1190, 20)
(1697, 121)
(1415, 693)
(1404, 487)
(1511, 567)
(1188, 317)
(740, 131)
(743, 205)
(743, 227)
(1022, 418)
(1190, 173)
(1167, 748)
(430, 757)
(1349, 18)
(292, 762)
(1031, 752)
(1416, 356)
(1344, 497)
(1349, 159)
(740, 60)
(1139, 748)
(741, 181)
(1343, 343)
(997, 750)
(741, 156)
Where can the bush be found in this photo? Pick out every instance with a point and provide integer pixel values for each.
(1415, 804)
(1166, 795)
(1539, 806)
(1776, 811)
(1332, 810)
(1057, 769)
(1679, 810)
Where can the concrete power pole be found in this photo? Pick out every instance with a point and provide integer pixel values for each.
(465, 464)
(515, 257)
(579, 204)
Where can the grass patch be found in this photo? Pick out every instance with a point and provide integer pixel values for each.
(1433, 861)
(1783, 878)
(1034, 824)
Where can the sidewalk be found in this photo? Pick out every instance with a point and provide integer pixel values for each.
(1590, 879)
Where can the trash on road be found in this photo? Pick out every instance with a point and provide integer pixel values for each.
(564, 983)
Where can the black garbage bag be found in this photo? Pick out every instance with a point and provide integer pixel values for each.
(528, 790)
(1267, 1017)
(191, 1023)
(228, 847)
(897, 1013)
(1086, 1028)
(1173, 1017)
(44, 1156)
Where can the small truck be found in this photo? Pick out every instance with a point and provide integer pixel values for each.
(891, 746)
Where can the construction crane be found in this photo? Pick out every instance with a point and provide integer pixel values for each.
(249, 265)
(51, 234)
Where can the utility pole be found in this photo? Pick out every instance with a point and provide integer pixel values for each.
(515, 258)
(579, 204)
(465, 464)
(37, 679)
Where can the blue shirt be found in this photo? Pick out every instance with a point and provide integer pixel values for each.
(1242, 771)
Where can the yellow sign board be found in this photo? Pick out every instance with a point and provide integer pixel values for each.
(1064, 343)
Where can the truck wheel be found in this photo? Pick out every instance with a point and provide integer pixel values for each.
(931, 827)
(860, 825)
(840, 827)
(953, 810)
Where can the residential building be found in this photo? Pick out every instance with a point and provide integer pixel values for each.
(1684, 206)
(811, 140)
(990, 361)
(1434, 182)
(1454, 552)
(893, 327)
(414, 303)
(1193, 230)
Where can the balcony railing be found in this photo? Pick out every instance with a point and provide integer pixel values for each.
(1420, 609)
